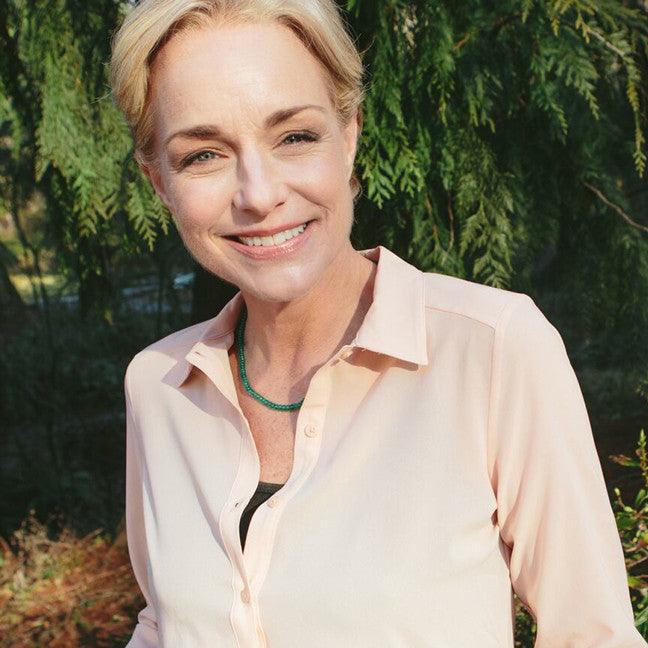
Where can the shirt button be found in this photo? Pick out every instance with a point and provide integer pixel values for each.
(272, 503)
(245, 595)
(310, 430)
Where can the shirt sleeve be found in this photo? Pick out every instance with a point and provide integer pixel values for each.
(145, 634)
(553, 511)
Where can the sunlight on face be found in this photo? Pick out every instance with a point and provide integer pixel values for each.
(249, 144)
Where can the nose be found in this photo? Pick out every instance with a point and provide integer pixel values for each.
(260, 187)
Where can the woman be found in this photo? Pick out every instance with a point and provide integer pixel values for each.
(406, 447)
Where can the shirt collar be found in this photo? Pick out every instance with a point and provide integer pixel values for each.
(394, 324)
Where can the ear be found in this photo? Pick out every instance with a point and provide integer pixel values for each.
(351, 136)
(152, 172)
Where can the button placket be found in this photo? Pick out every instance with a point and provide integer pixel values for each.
(307, 444)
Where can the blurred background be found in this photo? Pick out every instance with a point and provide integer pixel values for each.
(504, 142)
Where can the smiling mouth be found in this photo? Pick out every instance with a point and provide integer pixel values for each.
(273, 240)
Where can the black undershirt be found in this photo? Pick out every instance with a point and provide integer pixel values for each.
(263, 492)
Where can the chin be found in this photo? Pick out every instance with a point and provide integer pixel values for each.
(280, 289)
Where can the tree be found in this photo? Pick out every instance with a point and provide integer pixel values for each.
(65, 139)
(505, 143)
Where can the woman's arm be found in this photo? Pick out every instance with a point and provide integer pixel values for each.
(145, 634)
(553, 510)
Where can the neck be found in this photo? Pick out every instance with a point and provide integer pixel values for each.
(297, 336)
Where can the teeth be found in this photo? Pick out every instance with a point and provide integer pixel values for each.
(275, 239)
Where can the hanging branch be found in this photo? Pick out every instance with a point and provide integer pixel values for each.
(614, 207)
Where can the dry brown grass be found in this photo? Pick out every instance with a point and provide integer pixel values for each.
(65, 592)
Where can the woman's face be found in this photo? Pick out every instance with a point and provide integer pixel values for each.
(240, 155)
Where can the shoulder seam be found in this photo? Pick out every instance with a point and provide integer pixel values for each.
(509, 302)
(460, 314)
(508, 297)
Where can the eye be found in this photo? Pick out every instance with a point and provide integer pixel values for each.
(298, 138)
(199, 157)
(202, 157)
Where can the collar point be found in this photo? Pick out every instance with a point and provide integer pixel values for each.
(178, 374)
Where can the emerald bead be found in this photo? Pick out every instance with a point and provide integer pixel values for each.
(244, 379)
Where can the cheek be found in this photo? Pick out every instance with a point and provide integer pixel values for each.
(199, 203)
(321, 180)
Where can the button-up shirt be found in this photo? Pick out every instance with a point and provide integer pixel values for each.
(442, 460)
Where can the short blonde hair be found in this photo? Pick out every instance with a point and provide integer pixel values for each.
(149, 25)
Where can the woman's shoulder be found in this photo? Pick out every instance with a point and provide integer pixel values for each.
(500, 309)
(157, 358)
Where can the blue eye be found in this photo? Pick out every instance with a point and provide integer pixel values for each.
(197, 157)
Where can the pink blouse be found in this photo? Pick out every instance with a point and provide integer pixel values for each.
(442, 460)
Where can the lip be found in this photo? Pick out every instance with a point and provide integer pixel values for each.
(270, 232)
(261, 252)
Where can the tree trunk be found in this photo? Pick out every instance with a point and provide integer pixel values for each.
(210, 294)
(13, 309)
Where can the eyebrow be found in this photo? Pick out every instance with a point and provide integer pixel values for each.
(207, 131)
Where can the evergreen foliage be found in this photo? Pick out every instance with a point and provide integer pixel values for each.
(65, 138)
(478, 111)
(495, 133)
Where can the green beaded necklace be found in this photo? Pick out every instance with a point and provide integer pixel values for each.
(243, 373)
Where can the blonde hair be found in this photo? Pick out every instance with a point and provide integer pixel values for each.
(149, 25)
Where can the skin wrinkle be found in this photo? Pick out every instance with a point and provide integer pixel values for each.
(303, 307)
(205, 131)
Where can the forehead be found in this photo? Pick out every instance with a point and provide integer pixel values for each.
(229, 73)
